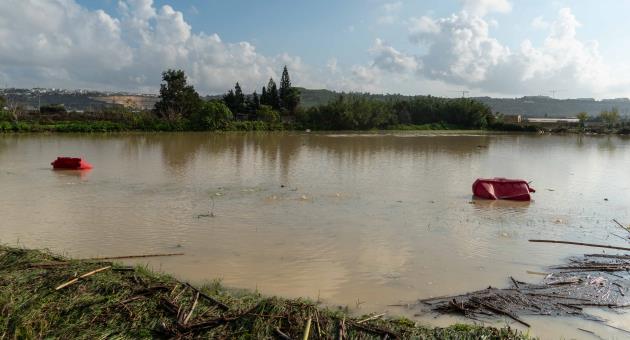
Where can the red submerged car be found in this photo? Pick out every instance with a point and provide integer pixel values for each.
(502, 189)
(70, 163)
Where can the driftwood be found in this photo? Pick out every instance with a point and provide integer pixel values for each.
(192, 309)
(342, 328)
(319, 331)
(130, 257)
(76, 279)
(565, 291)
(307, 329)
(622, 257)
(582, 244)
(214, 301)
(498, 310)
(281, 334)
(373, 317)
(621, 225)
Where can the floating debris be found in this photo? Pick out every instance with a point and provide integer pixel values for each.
(594, 280)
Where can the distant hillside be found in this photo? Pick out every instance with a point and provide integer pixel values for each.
(534, 106)
(540, 106)
(72, 100)
(316, 97)
(130, 101)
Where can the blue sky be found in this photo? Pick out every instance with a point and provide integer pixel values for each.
(319, 30)
(490, 47)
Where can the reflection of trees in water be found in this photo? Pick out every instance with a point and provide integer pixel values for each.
(179, 150)
(603, 142)
(279, 150)
(607, 144)
(4, 143)
(360, 147)
(580, 141)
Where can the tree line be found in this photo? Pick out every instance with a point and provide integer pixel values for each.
(180, 102)
(180, 107)
(359, 112)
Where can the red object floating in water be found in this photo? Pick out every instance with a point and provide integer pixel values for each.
(70, 163)
(502, 189)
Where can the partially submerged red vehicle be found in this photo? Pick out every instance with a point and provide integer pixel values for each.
(502, 189)
(70, 163)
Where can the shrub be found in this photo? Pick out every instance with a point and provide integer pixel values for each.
(213, 115)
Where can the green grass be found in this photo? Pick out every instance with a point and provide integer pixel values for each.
(423, 127)
(157, 125)
(132, 303)
(141, 125)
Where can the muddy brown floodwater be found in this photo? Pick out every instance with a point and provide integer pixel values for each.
(364, 220)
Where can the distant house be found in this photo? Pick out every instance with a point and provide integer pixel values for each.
(512, 119)
(551, 122)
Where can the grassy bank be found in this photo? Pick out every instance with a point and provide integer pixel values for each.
(124, 302)
(164, 126)
(148, 126)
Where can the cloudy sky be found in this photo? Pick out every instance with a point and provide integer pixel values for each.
(501, 48)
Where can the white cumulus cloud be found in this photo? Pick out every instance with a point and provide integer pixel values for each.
(539, 23)
(460, 49)
(60, 43)
(483, 7)
(390, 10)
(388, 58)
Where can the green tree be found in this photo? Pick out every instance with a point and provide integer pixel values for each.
(268, 114)
(285, 87)
(255, 101)
(289, 95)
(610, 117)
(292, 100)
(273, 98)
(234, 99)
(3, 114)
(239, 96)
(213, 115)
(264, 97)
(177, 98)
(230, 99)
(583, 117)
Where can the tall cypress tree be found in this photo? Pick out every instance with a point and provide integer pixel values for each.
(272, 92)
(285, 87)
(264, 97)
(239, 97)
(255, 100)
(230, 100)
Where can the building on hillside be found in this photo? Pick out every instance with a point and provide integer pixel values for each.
(553, 122)
(512, 119)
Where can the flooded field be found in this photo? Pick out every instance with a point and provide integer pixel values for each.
(364, 220)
